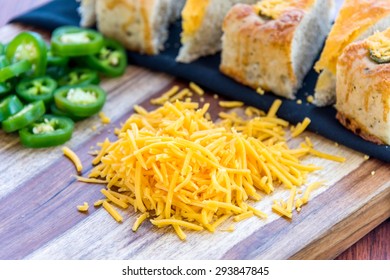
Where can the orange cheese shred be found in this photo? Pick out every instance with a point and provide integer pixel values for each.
(74, 158)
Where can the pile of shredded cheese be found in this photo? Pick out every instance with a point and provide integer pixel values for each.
(178, 168)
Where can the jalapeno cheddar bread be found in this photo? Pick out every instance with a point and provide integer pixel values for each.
(357, 20)
(272, 45)
(87, 11)
(202, 27)
(363, 88)
(140, 25)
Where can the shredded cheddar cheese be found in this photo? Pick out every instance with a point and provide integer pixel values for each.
(230, 104)
(197, 89)
(165, 97)
(111, 210)
(139, 221)
(178, 168)
(74, 158)
(83, 208)
(300, 128)
(103, 118)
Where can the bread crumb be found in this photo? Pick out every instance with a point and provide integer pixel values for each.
(215, 96)
(366, 157)
(201, 99)
(373, 173)
(299, 101)
(310, 99)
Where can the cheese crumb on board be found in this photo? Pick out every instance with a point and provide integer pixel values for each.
(83, 208)
(103, 118)
(74, 158)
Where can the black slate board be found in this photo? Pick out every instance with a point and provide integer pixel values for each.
(205, 72)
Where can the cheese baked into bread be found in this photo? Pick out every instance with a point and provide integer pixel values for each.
(273, 44)
(363, 88)
(87, 12)
(140, 25)
(357, 20)
(202, 27)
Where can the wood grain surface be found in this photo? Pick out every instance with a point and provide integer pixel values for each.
(41, 194)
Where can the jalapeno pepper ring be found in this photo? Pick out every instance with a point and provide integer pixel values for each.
(111, 60)
(34, 89)
(28, 46)
(5, 88)
(75, 41)
(10, 106)
(79, 77)
(56, 60)
(80, 101)
(14, 70)
(29, 114)
(57, 112)
(48, 131)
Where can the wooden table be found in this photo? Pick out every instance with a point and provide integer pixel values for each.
(375, 245)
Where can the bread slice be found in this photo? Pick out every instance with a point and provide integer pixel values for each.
(202, 27)
(140, 25)
(363, 89)
(357, 20)
(274, 51)
(87, 12)
(176, 8)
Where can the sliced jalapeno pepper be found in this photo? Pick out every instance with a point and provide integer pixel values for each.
(10, 106)
(111, 60)
(56, 60)
(29, 114)
(81, 101)
(5, 88)
(28, 46)
(75, 41)
(48, 131)
(34, 89)
(14, 70)
(80, 77)
(3, 61)
(57, 112)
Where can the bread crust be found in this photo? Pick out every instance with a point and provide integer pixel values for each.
(258, 52)
(357, 20)
(363, 93)
(273, 39)
(357, 128)
(140, 25)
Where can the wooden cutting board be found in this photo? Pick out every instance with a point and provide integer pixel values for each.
(39, 195)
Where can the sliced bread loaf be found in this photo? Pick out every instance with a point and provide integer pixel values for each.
(357, 20)
(363, 88)
(141, 25)
(87, 11)
(202, 27)
(272, 45)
